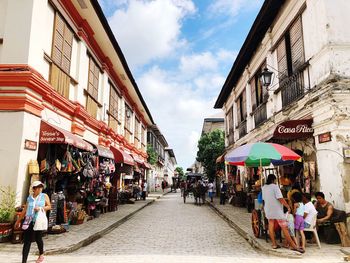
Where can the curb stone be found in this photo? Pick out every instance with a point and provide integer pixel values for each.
(252, 240)
(99, 234)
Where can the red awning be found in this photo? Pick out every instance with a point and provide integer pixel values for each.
(104, 152)
(122, 157)
(50, 133)
(137, 159)
(146, 165)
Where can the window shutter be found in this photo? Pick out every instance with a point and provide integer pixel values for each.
(282, 60)
(239, 110)
(244, 105)
(93, 79)
(62, 44)
(297, 45)
(253, 93)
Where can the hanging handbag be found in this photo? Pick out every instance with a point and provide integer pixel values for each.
(26, 222)
(41, 222)
(58, 165)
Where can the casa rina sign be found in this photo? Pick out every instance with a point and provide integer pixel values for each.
(294, 129)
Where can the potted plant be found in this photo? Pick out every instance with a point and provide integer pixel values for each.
(7, 212)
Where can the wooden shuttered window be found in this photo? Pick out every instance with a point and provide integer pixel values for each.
(230, 120)
(282, 59)
(62, 44)
(241, 107)
(59, 80)
(91, 106)
(113, 108)
(143, 132)
(127, 119)
(92, 88)
(297, 44)
(61, 56)
(94, 72)
(290, 50)
(253, 93)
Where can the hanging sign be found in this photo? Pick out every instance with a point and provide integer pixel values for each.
(294, 129)
(324, 137)
(30, 145)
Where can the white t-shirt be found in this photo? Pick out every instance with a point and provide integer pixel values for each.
(311, 211)
(210, 187)
(144, 187)
(272, 207)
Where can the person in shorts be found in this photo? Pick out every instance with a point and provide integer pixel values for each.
(299, 218)
(273, 207)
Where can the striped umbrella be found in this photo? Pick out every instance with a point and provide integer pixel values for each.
(261, 154)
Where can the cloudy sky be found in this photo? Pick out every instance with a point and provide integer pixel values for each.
(180, 53)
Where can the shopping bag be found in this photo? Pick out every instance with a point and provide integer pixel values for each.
(41, 222)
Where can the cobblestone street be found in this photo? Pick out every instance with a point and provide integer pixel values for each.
(170, 231)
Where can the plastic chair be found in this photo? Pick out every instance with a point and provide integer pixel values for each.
(313, 229)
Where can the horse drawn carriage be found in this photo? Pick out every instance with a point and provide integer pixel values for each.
(195, 188)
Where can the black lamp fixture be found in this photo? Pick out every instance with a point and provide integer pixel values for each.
(266, 77)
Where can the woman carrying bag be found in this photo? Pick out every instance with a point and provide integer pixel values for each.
(35, 220)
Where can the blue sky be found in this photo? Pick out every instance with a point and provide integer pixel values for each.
(180, 53)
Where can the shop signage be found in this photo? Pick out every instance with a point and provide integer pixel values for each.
(346, 152)
(324, 137)
(30, 145)
(294, 129)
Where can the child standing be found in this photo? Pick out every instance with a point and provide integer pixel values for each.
(299, 218)
(290, 220)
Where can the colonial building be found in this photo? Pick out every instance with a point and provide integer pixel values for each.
(64, 79)
(305, 44)
(157, 141)
(170, 165)
(215, 122)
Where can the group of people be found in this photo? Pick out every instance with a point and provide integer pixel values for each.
(294, 215)
(204, 186)
(139, 191)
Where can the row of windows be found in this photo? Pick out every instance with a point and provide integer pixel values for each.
(290, 60)
(60, 79)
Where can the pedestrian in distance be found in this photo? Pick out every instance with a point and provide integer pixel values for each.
(144, 190)
(223, 190)
(163, 185)
(211, 191)
(273, 207)
(36, 202)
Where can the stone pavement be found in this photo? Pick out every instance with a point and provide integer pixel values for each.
(240, 220)
(86, 233)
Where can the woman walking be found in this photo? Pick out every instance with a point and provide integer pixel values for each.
(35, 202)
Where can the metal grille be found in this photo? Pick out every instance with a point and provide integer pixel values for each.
(260, 115)
(242, 129)
(292, 88)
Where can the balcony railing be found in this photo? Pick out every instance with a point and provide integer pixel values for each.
(260, 114)
(242, 128)
(292, 88)
(231, 137)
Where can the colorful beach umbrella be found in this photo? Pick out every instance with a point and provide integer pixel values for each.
(261, 154)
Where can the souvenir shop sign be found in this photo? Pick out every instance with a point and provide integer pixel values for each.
(30, 145)
(324, 137)
(294, 129)
(50, 133)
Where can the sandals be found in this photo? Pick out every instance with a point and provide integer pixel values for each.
(300, 250)
(40, 259)
(276, 247)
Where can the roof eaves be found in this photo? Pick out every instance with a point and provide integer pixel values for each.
(262, 22)
(117, 48)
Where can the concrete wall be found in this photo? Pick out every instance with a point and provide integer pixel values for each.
(15, 128)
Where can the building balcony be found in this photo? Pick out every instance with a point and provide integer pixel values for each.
(292, 88)
(242, 128)
(260, 114)
(231, 137)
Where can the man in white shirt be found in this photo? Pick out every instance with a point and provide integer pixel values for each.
(211, 190)
(309, 210)
(144, 190)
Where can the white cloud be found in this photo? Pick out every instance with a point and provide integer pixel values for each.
(179, 104)
(147, 30)
(232, 7)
